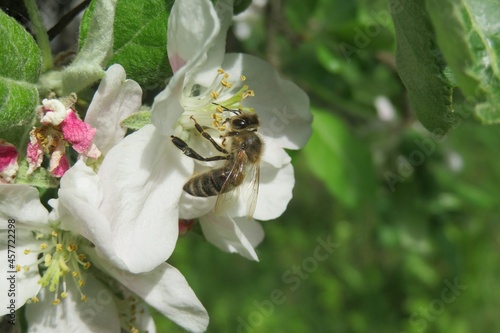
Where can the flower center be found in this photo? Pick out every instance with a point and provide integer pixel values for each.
(57, 258)
(211, 106)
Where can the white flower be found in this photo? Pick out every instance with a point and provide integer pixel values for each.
(66, 263)
(115, 99)
(144, 174)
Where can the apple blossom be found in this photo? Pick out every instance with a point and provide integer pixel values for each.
(60, 126)
(144, 174)
(67, 258)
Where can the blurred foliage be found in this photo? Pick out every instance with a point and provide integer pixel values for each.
(412, 214)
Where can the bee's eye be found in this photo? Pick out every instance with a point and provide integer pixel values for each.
(239, 123)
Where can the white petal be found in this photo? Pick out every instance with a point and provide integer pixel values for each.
(188, 43)
(274, 154)
(275, 191)
(166, 107)
(77, 210)
(56, 112)
(142, 178)
(21, 203)
(282, 106)
(252, 230)
(215, 55)
(223, 232)
(192, 207)
(81, 181)
(145, 322)
(115, 99)
(98, 314)
(165, 289)
(27, 281)
(189, 38)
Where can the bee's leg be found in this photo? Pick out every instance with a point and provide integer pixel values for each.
(207, 136)
(188, 151)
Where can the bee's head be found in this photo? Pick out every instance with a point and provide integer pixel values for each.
(245, 121)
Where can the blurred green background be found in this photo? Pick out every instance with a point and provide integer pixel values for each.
(413, 218)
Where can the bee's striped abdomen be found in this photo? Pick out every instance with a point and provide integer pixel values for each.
(206, 184)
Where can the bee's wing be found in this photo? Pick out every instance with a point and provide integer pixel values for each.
(248, 176)
(228, 193)
(251, 188)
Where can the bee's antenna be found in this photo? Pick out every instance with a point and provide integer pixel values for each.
(238, 111)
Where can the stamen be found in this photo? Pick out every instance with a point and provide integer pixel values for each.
(226, 84)
(248, 93)
(59, 258)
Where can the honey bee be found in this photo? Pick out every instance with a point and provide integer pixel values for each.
(242, 163)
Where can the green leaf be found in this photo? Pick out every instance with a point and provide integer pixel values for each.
(140, 41)
(467, 32)
(39, 178)
(137, 120)
(95, 50)
(421, 67)
(339, 159)
(20, 56)
(20, 65)
(240, 6)
(85, 23)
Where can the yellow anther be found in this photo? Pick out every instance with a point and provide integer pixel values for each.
(64, 294)
(56, 301)
(214, 94)
(87, 265)
(219, 109)
(84, 298)
(81, 283)
(59, 247)
(82, 257)
(75, 273)
(248, 93)
(72, 247)
(54, 233)
(47, 259)
(18, 268)
(226, 84)
(220, 71)
(243, 77)
(43, 246)
(27, 251)
(64, 268)
(35, 299)
(26, 268)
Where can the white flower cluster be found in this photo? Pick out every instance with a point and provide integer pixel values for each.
(105, 242)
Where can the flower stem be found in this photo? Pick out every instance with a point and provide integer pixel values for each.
(41, 35)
